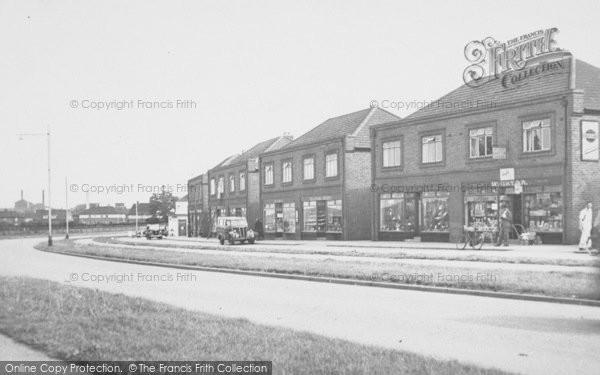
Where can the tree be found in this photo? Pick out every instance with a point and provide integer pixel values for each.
(162, 206)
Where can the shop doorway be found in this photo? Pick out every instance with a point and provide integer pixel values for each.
(514, 204)
(321, 219)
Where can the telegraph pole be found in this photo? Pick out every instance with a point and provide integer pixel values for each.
(67, 208)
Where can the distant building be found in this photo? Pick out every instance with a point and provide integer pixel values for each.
(143, 213)
(198, 219)
(234, 184)
(178, 224)
(102, 215)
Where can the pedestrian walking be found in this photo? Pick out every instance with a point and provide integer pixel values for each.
(505, 225)
(585, 226)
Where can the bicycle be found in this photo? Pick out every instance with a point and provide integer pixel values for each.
(471, 237)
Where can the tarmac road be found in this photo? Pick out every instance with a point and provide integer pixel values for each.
(514, 335)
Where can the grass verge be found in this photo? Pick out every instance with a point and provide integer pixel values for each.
(571, 283)
(71, 323)
(586, 261)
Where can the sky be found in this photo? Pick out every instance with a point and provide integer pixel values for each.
(198, 81)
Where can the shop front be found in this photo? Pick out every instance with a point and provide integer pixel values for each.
(280, 220)
(408, 215)
(322, 218)
(537, 206)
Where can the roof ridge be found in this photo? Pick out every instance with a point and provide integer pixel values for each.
(364, 122)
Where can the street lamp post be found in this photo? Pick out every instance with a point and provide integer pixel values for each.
(47, 134)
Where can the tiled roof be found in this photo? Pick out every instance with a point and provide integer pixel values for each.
(587, 77)
(494, 93)
(255, 151)
(356, 124)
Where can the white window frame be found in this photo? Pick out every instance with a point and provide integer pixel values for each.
(213, 188)
(269, 174)
(232, 183)
(286, 171)
(242, 181)
(544, 127)
(308, 169)
(392, 153)
(221, 185)
(478, 135)
(429, 143)
(331, 166)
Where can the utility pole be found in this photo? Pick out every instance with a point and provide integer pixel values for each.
(47, 134)
(67, 208)
(136, 217)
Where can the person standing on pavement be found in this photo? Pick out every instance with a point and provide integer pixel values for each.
(258, 228)
(505, 225)
(585, 226)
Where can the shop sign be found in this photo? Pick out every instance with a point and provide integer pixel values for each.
(518, 187)
(507, 174)
(589, 141)
(499, 153)
(509, 183)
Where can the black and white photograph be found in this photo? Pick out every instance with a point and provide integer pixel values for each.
(199, 187)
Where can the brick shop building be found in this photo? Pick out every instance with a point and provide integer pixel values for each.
(318, 185)
(197, 207)
(234, 184)
(528, 140)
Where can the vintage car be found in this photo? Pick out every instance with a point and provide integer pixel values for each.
(154, 231)
(232, 229)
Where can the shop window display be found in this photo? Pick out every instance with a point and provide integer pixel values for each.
(543, 212)
(435, 212)
(482, 212)
(310, 216)
(289, 218)
(334, 216)
(269, 224)
(391, 213)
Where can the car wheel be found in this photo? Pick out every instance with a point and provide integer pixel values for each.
(251, 242)
(222, 241)
(232, 242)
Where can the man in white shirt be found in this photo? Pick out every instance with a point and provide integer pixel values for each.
(585, 226)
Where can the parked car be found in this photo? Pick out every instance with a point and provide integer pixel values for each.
(153, 231)
(232, 229)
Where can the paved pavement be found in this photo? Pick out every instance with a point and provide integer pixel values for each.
(519, 336)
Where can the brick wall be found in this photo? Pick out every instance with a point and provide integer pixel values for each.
(357, 195)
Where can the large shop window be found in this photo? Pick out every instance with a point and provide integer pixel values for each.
(482, 211)
(398, 212)
(391, 154)
(537, 135)
(481, 142)
(269, 174)
(269, 217)
(435, 212)
(334, 216)
(310, 216)
(432, 148)
(289, 218)
(543, 212)
(392, 212)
